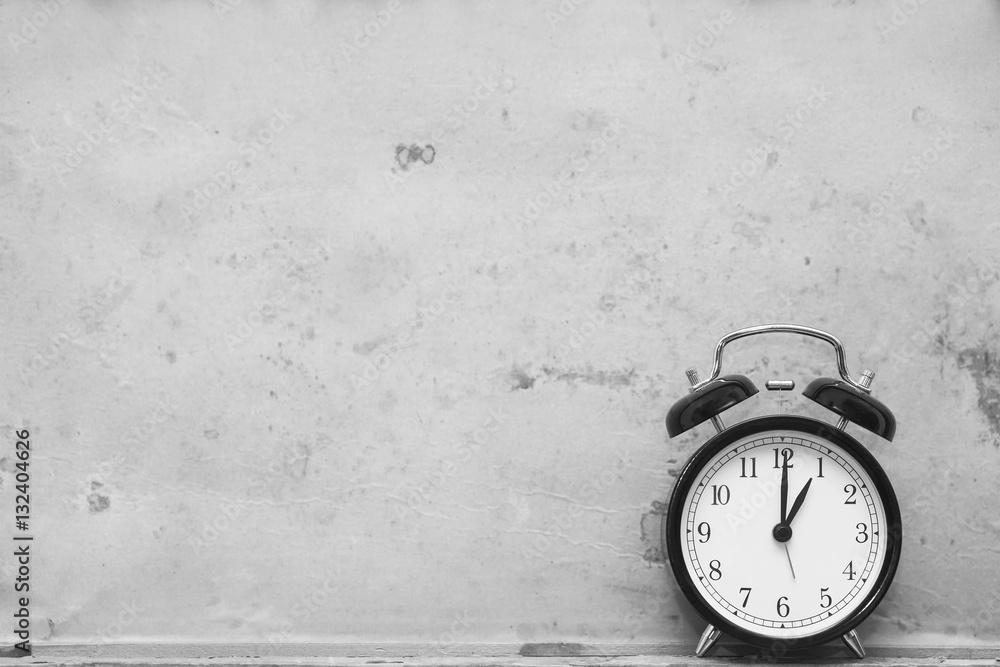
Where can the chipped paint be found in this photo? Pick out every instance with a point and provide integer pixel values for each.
(651, 533)
(589, 375)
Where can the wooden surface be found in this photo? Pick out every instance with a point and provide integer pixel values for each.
(481, 655)
(631, 661)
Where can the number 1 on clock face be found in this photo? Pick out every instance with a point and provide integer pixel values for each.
(783, 533)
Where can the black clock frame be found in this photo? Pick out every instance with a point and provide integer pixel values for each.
(673, 524)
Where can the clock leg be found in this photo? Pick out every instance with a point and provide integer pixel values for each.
(707, 641)
(854, 643)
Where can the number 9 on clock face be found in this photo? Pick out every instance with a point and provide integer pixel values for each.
(783, 528)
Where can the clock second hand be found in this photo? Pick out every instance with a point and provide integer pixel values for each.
(791, 515)
(792, 567)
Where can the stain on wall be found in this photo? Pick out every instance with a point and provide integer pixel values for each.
(290, 382)
(982, 363)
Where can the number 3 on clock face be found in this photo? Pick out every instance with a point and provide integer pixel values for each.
(783, 528)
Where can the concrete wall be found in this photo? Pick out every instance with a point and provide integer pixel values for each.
(288, 308)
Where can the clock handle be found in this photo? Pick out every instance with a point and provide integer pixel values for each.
(785, 328)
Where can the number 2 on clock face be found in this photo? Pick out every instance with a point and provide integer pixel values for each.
(806, 579)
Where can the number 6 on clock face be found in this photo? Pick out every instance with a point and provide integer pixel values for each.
(783, 528)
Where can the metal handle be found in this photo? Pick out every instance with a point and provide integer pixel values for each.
(790, 328)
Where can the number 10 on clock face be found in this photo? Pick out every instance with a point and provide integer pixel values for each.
(783, 534)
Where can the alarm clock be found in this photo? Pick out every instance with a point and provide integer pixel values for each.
(782, 531)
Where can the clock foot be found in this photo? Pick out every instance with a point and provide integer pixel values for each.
(854, 643)
(707, 641)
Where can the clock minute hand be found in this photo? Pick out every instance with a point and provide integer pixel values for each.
(798, 503)
(784, 491)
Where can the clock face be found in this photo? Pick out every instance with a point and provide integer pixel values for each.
(804, 568)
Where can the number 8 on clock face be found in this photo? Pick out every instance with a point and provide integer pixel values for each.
(789, 564)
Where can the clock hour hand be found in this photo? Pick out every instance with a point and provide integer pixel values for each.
(798, 503)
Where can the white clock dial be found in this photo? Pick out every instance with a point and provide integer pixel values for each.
(759, 577)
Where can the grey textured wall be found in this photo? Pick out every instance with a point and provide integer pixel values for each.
(290, 309)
